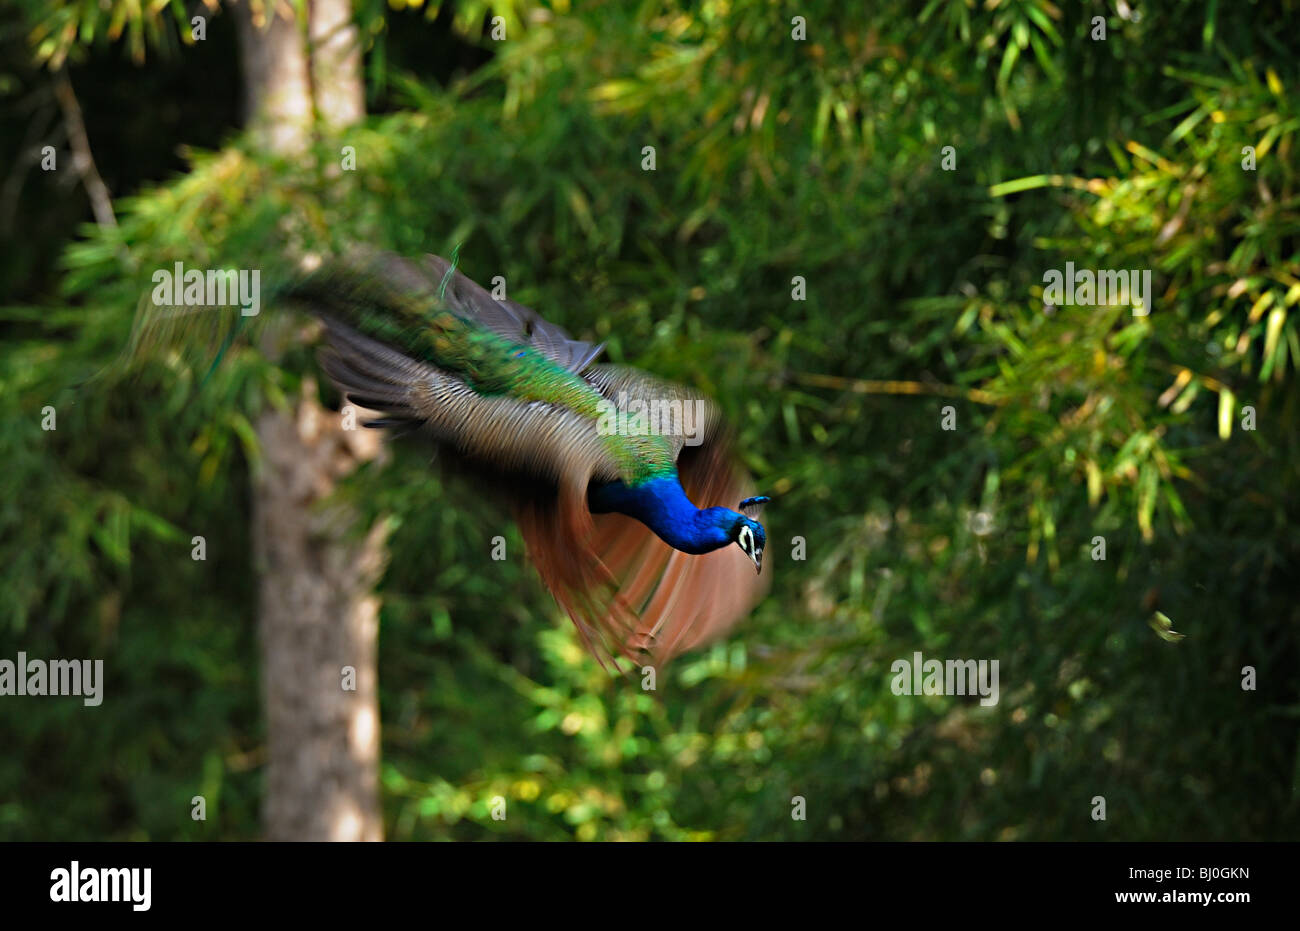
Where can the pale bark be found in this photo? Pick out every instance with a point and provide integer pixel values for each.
(336, 63)
(317, 616)
(317, 610)
(277, 79)
(83, 162)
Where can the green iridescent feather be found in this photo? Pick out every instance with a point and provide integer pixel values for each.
(425, 328)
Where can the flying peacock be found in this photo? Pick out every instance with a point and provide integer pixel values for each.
(630, 528)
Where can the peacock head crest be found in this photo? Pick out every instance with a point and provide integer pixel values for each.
(749, 534)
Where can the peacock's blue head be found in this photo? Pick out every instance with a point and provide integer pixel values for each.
(750, 536)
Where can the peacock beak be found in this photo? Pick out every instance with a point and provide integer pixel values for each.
(757, 559)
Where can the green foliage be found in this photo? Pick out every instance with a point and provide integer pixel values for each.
(774, 159)
(65, 27)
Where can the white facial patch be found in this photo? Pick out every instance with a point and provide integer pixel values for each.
(746, 539)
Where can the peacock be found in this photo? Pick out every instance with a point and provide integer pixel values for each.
(628, 527)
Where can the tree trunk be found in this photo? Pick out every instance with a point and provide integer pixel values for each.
(277, 79)
(318, 616)
(336, 63)
(319, 627)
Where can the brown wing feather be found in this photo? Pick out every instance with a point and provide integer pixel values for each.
(628, 592)
(709, 593)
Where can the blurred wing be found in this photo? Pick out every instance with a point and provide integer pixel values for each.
(541, 440)
(682, 601)
(517, 439)
(623, 385)
(631, 594)
(506, 318)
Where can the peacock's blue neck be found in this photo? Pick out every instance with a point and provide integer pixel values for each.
(661, 504)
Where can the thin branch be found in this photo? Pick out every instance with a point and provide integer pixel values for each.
(863, 386)
(82, 159)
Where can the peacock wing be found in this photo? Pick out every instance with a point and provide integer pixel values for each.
(627, 590)
(540, 451)
(680, 601)
(506, 318)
